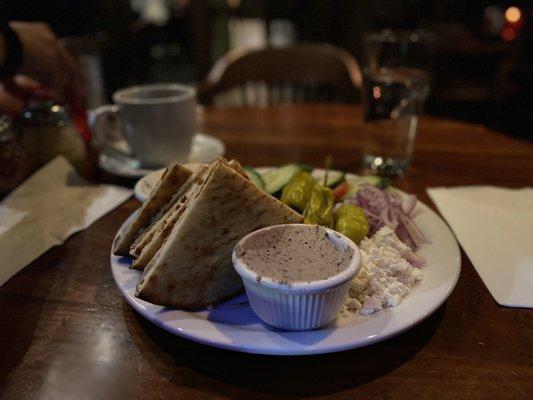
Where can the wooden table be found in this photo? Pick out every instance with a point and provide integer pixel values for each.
(66, 333)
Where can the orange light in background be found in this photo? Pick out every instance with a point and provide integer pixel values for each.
(508, 34)
(234, 3)
(513, 14)
(376, 92)
(513, 24)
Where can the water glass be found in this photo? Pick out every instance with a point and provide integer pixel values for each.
(396, 83)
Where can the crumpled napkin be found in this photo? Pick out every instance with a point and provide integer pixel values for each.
(46, 209)
(495, 228)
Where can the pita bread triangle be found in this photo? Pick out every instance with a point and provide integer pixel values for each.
(151, 240)
(147, 244)
(168, 185)
(192, 268)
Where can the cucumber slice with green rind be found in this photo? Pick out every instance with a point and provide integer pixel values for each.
(306, 167)
(372, 179)
(255, 177)
(354, 181)
(334, 177)
(276, 179)
(359, 179)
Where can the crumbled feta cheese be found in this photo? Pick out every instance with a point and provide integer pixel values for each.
(385, 277)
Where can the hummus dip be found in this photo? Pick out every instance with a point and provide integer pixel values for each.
(293, 253)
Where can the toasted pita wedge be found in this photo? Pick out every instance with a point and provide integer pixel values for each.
(237, 167)
(151, 240)
(193, 267)
(168, 185)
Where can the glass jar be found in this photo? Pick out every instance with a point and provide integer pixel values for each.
(48, 132)
(15, 164)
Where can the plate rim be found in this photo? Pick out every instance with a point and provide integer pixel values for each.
(136, 304)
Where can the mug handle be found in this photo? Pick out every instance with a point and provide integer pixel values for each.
(101, 138)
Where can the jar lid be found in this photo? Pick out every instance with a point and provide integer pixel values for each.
(6, 128)
(43, 113)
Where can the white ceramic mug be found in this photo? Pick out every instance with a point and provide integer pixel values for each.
(158, 121)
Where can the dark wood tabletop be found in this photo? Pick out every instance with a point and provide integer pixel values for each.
(66, 332)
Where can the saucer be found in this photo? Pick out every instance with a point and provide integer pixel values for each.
(118, 160)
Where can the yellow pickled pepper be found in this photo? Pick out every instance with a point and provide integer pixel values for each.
(297, 192)
(319, 209)
(351, 221)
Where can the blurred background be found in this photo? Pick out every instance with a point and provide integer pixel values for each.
(482, 70)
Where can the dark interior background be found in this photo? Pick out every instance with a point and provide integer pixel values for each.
(483, 68)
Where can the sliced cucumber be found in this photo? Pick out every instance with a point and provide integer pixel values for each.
(354, 181)
(379, 181)
(306, 167)
(255, 177)
(372, 179)
(359, 179)
(334, 177)
(276, 179)
(353, 187)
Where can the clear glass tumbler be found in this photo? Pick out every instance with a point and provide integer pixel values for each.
(396, 83)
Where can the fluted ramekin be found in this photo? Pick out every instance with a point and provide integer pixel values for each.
(300, 305)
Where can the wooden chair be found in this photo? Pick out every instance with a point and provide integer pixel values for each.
(311, 72)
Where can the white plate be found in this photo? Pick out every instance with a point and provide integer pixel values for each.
(234, 326)
(144, 186)
(117, 159)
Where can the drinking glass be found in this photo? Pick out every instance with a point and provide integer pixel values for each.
(396, 83)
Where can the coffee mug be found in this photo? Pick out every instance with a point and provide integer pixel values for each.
(158, 121)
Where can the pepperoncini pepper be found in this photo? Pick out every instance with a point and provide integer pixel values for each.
(350, 220)
(319, 208)
(297, 192)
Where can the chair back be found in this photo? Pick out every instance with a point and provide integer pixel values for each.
(311, 72)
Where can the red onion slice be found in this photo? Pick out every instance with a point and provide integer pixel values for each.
(385, 207)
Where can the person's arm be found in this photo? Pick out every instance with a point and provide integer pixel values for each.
(11, 101)
(44, 55)
(2, 50)
(38, 55)
(3, 21)
(11, 51)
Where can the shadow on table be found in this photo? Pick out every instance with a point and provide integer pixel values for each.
(283, 375)
(22, 308)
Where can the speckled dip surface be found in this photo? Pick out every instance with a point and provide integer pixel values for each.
(290, 254)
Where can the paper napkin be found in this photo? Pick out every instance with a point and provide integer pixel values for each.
(46, 209)
(495, 228)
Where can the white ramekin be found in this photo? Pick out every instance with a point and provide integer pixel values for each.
(302, 305)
